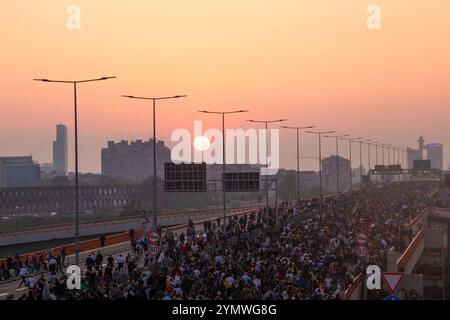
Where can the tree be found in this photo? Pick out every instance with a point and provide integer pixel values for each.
(60, 181)
(288, 186)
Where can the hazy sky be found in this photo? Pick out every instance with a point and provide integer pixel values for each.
(313, 62)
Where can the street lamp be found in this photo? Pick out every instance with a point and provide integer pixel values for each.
(389, 148)
(403, 157)
(320, 133)
(154, 99)
(382, 150)
(266, 122)
(369, 144)
(223, 113)
(337, 157)
(360, 157)
(74, 83)
(298, 153)
(350, 140)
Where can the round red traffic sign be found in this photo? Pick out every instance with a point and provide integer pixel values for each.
(361, 238)
(362, 252)
(154, 237)
(153, 249)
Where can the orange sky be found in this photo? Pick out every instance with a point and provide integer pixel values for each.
(313, 62)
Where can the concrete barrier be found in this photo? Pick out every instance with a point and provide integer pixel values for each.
(355, 290)
(412, 254)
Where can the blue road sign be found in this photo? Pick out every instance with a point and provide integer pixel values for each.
(392, 297)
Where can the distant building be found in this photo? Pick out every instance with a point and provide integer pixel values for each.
(47, 168)
(329, 173)
(357, 173)
(431, 151)
(60, 149)
(134, 160)
(435, 152)
(19, 172)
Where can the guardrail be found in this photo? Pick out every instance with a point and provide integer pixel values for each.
(94, 244)
(113, 222)
(432, 192)
(417, 243)
(418, 222)
(353, 292)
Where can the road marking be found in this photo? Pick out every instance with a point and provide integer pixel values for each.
(21, 289)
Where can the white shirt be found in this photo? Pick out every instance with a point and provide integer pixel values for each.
(23, 272)
(120, 259)
(31, 282)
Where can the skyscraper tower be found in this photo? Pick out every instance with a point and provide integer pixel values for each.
(60, 149)
(421, 142)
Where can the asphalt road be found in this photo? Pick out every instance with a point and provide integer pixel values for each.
(12, 286)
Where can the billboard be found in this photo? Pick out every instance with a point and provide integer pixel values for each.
(240, 181)
(422, 165)
(185, 177)
(394, 168)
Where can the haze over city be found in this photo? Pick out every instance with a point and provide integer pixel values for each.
(314, 63)
(136, 162)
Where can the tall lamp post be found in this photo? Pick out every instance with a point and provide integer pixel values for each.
(266, 123)
(403, 150)
(337, 157)
(320, 133)
(154, 99)
(376, 152)
(350, 140)
(223, 113)
(389, 153)
(74, 83)
(382, 152)
(360, 157)
(369, 144)
(394, 161)
(298, 153)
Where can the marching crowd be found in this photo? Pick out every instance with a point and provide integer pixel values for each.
(304, 250)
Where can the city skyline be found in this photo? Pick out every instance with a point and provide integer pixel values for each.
(310, 158)
(224, 152)
(266, 57)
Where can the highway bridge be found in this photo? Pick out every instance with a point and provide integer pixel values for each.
(425, 262)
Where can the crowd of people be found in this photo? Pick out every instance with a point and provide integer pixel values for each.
(303, 250)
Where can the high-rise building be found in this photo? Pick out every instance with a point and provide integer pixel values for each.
(19, 172)
(435, 152)
(134, 160)
(329, 170)
(431, 151)
(60, 149)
